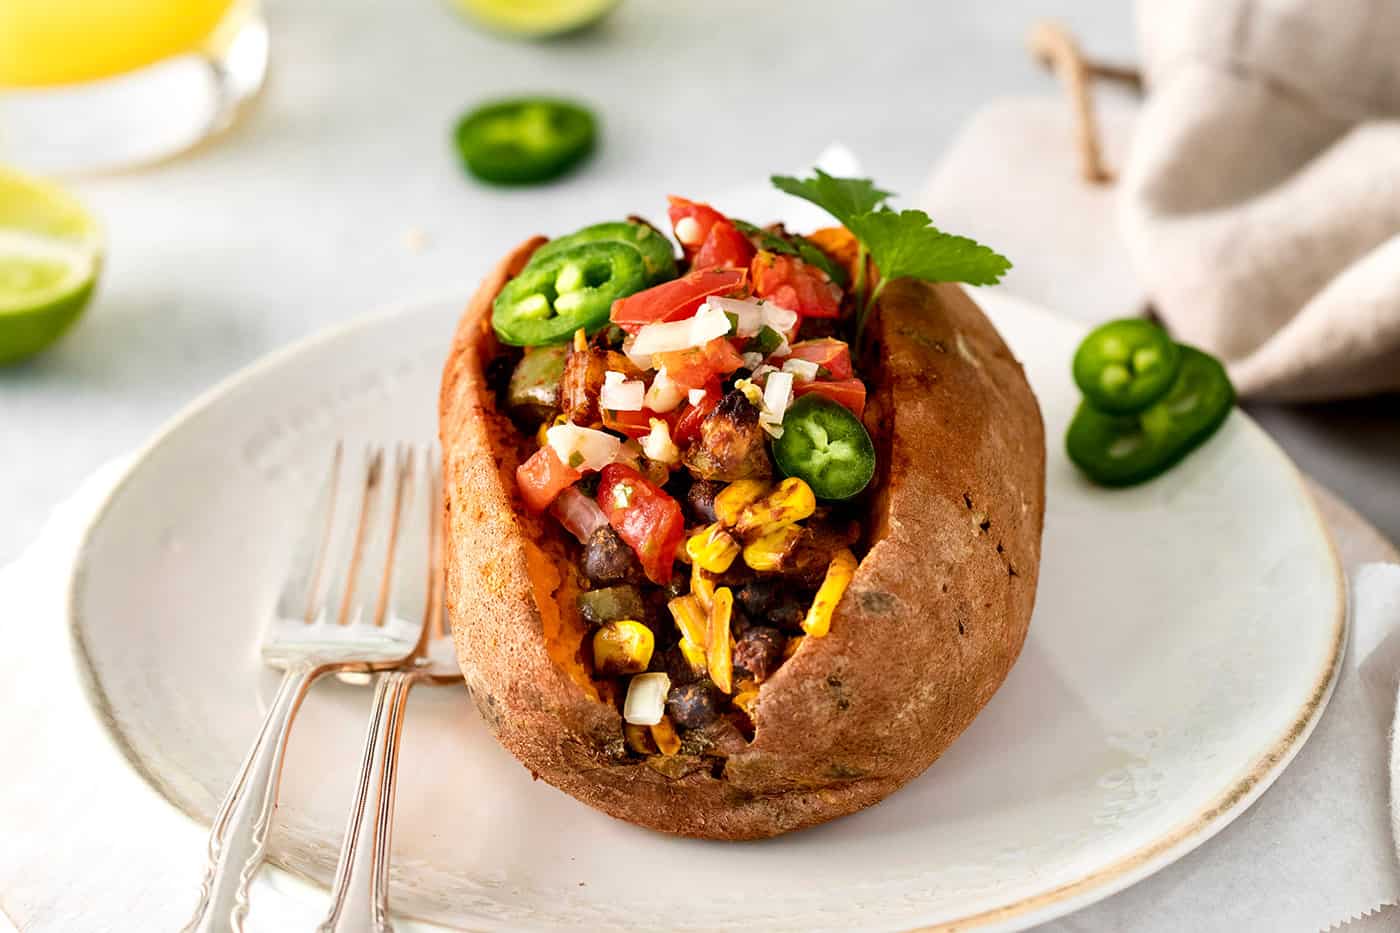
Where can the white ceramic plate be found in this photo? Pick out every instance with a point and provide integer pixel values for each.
(1185, 640)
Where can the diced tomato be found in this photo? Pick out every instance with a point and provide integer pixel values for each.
(631, 423)
(687, 426)
(695, 367)
(644, 516)
(827, 352)
(676, 299)
(790, 283)
(542, 477)
(702, 217)
(848, 392)
(724, 246)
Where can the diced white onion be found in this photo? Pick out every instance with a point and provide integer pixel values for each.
(688, 231)
(777, 394)
(762, 372)
(748, 314)
(646, 699)
(664, 394)
(752, 360)
(658, 446)
(584, 448)
(620, 393)
(783, 320)
(668, 336)
(696, 396)
(578, 513)
(804, 370)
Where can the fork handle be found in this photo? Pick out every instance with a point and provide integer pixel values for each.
(238, 838)
(360, 898)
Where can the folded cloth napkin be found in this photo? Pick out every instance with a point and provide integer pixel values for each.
(1261, 200)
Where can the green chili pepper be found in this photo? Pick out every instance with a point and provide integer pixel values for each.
(573, 288)
(1124, 366)
(658, 255)
(1123, 450)
(825, 446)
(765, 341)
(526, 140)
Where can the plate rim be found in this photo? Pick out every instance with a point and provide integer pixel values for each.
(1093, 886)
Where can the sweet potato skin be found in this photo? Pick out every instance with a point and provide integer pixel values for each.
(928, 630)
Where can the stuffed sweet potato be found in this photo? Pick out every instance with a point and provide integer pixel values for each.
(718, 636)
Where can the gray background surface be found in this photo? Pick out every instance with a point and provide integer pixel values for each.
(302, 215)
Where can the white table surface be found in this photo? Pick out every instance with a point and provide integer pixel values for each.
(306, 213)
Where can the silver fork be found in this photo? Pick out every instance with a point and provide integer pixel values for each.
(358, 599)
(360, 897)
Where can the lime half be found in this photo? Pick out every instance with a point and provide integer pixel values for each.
(536, 19)
(50, 253)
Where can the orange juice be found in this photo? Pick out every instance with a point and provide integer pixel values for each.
(53, 42)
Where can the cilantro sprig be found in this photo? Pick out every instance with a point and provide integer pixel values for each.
(901, 243)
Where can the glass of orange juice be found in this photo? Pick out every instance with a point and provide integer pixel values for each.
(94, 84)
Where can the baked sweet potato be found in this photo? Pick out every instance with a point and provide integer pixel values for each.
(931, 623)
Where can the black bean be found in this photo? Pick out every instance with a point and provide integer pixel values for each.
(759, 597)
(692, 706)
(607, 560)
(700, 500)
(673, 663)
(759, 651)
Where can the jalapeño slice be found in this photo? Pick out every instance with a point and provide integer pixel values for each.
(658, 255)
(1125, 366)
(573, 288)
(1123, 450)
(825, 446)
(525, 140)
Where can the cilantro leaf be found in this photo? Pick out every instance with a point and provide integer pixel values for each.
(907, 243)
(842, 198)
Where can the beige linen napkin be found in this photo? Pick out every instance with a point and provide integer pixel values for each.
(1261, 201)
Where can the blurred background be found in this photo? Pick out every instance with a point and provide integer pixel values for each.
(336, 189)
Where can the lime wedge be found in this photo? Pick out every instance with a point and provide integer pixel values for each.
(50, 253)
(535, 19)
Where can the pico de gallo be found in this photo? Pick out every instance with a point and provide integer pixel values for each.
(699, 436)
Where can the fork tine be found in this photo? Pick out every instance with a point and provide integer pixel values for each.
(357, 521)
(303, 590)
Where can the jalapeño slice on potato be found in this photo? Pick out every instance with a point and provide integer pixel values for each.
(525, 140)
(658, 255)
(826, 446)
(1124, 366)
(573, 288)
(1122, 450)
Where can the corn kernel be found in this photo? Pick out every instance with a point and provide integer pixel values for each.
(712, 548)
(766, 553)
(732, 499)
(580, 341)
(691, 619)
(702, 587)
(545, 425)
(664, 734)
(790, 501)
(622, 647)
(746, 700)
(719, 653)
(838, 577)
(694, 655)
(751, 392)
(639, 738)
